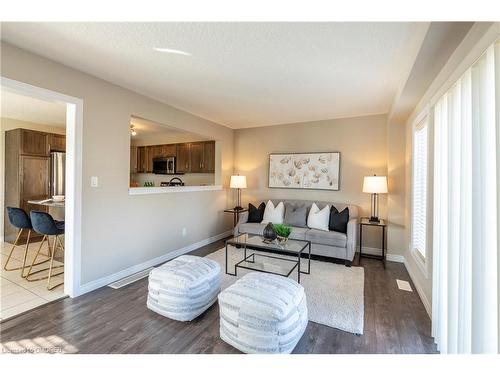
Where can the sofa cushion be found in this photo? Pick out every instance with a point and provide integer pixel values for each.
(339, 220)
(318, 219)
(252, 228)
(298, 233)
(274, 214)
(255, 215)
(330, 238)
(295, 215)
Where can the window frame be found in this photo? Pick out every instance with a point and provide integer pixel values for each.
(423, 119)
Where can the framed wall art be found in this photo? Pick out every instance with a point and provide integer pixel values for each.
(315, 170)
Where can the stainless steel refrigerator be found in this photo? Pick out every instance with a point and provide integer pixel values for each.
(57, 173)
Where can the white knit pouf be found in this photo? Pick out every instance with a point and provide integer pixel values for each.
(184, 288)
(263, 313)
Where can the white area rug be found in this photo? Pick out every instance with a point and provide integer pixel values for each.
(335, 293)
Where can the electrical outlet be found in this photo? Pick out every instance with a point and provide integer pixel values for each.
(184, 232)
(94, 181)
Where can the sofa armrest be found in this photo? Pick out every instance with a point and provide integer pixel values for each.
(352, 238)
(243, 219)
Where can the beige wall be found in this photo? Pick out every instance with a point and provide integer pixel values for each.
(9, 124)
(362, 142)
(120, 230)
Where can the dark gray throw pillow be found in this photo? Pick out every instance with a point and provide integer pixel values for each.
(295, 216)
(338, 220)
(255, 215)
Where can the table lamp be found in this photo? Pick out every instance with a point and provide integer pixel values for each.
(238, 182)
(375, 185)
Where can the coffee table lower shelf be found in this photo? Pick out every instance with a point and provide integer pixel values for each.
(275, 265)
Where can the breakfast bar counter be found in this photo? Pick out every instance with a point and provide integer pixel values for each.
(48, 202)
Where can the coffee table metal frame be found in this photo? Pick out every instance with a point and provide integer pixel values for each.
(272, 248)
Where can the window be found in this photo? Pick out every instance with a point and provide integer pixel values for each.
(419, 214)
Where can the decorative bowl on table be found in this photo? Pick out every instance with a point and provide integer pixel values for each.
(58, 198)
(282, 233)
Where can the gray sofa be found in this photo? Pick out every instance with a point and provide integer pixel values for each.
(327, 244)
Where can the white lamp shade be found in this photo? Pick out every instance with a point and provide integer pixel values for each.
(238, 182)
(375, 184)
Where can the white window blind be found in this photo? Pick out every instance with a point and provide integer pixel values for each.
(465, 304)
(419, 214)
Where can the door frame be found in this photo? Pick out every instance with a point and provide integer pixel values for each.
(73, 206)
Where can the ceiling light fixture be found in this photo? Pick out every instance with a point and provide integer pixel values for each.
(133, 133)
(174, 51)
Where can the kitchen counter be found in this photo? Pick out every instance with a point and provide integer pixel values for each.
(171, 189)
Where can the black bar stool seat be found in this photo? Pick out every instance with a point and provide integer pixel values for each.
(19, 219)
(45, 224)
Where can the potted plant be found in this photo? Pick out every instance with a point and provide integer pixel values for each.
(282, 232)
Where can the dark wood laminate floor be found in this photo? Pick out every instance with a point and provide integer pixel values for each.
(117, 321)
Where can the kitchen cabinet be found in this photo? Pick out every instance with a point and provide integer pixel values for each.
(27, 169)
(194, 157)
(33, 142)
(196, 152)
(208, 165)
(134, 166)
(183, 158)
(141, 159)
(169, 150)
(57, 142)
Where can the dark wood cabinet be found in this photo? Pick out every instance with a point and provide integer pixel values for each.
(33, 142)
(195, 157)
(57, 142)
(169, 150)
(208, 157)
(196, 152)
(183, 158)
(27, 173)
(134, 166)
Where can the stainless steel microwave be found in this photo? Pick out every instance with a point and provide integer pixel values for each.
(164, 165)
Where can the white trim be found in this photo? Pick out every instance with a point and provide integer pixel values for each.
(419, 289)
(73, 211)
(388, 256)
(420, 261)
(171, 189)
(103, 281)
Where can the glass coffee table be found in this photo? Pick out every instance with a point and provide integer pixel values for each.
(274, 264)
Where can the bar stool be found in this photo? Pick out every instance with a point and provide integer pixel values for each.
(45, 224)
(20, 220)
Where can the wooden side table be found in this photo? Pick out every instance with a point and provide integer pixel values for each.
(381, 224)
(236, 214)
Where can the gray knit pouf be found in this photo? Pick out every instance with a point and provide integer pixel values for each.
(263, 313)
(184, 288)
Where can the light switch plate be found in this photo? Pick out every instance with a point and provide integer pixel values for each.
(94, 181)
(404, 285)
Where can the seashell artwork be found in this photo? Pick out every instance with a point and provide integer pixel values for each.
(305, 171)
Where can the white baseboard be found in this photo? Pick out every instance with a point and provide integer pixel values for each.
(390, 257)
(419, 289)
(103, 281)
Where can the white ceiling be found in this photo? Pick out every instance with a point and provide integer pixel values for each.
(239, 74)
(25, 108)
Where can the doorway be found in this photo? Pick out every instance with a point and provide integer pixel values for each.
(63, 142)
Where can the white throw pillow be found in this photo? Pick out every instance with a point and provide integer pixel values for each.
(318, 219)
(274, 214)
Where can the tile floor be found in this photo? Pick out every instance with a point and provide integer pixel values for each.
(17, 294)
